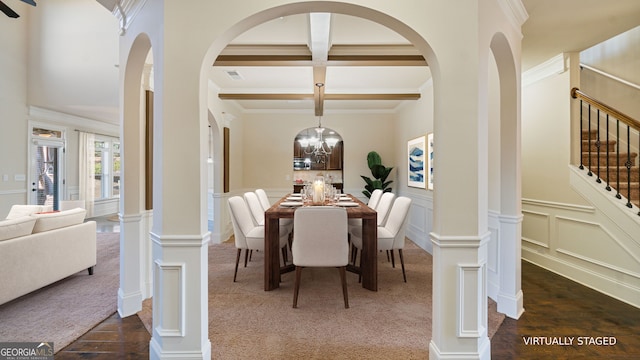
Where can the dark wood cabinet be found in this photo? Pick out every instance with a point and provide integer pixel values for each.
(297, 150)
(298, 187)
(334, 161)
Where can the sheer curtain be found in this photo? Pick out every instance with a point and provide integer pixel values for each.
(86, 169)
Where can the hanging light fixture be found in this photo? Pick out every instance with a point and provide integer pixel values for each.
(316, 145)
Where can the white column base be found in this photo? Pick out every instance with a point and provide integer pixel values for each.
(130, 292)
(129, 304)
(511, 305)
(459, 324)
(484, 353)
(156, 352)
(510, 294)
(180, 297)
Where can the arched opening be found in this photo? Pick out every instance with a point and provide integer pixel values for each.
(508, 196)
(136, 278)
(317, 150)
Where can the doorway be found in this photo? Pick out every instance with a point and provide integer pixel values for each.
(47, 160)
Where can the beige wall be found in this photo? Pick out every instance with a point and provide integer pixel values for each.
(13, 109)
(267, 143)
(546, 141)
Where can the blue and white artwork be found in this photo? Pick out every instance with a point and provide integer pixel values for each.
(416, 161)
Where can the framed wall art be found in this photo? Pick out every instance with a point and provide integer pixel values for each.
(430, 161)
(416, 162)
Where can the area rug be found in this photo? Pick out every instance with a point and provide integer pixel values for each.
(246, 322)
(64, 310)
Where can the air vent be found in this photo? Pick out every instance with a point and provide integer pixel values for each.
(233, 74)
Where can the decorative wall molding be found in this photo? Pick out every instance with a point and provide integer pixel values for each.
(553, 66)
(470, 290)
(557, 205)
(170, 278)
(577, 234)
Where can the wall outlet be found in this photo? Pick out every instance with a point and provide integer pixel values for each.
(5, 177)
(19, 177)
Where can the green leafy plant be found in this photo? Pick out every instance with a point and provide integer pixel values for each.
(380, 174)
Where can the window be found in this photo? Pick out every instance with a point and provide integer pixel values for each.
(106, 169)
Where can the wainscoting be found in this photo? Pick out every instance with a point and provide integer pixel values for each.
(582, 244)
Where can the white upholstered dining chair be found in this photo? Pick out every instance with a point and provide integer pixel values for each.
(264, 199)
(320, 240)
(391, 235)
(383, 205)
(374, 198)
(247, 234)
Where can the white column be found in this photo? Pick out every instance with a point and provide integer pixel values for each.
(460, 298)
(510, 294)
(180, 320)
(130, 293)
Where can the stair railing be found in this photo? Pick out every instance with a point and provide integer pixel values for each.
(595, 130)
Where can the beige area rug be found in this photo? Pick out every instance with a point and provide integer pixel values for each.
(246, 322)
(64, 310)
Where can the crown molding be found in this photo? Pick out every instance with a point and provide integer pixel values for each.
(515, 11)
(553, 66)
(126, 11)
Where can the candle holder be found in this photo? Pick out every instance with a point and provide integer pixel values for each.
(318, 191)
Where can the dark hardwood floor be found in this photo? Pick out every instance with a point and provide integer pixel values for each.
(573, 319)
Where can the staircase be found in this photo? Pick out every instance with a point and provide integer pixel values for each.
(618, 171)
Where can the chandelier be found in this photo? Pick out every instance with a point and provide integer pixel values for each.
(316, 145)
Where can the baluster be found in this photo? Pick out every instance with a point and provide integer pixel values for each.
(598, 180)
(628, 165)
(618, 196)
(608, 179)
(589, 142)
(581, 132)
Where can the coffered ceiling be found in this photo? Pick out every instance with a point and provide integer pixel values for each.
(320, 62)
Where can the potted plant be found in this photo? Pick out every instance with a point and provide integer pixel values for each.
(379, 172)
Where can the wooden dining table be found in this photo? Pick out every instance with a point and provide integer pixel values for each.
(368, 268)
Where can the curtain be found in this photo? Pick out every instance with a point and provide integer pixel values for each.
(86, 169)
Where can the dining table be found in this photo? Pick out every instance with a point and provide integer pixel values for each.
(285, 209)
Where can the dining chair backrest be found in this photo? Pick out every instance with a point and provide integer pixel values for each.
(320, 238)
(241, 220)
(374, 198)
(397, 221)
(257, 212)
(383, 207)
(264, 199)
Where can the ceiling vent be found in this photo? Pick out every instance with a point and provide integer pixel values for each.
(234, 75)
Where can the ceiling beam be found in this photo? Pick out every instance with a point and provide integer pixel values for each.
(339, 55)
(320, 94)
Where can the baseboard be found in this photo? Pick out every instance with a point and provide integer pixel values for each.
(609, 286)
